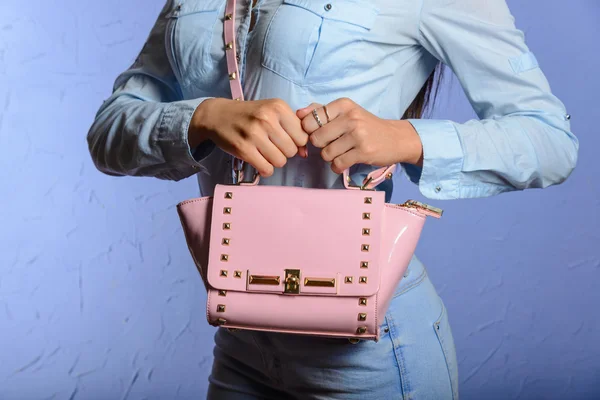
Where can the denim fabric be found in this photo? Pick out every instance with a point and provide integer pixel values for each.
(414, 359)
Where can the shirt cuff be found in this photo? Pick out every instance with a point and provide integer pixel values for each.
(442, 159)
(174, 135)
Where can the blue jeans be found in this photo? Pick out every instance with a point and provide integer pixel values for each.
(415, 358)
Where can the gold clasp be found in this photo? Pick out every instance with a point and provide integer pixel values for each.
(292, 281)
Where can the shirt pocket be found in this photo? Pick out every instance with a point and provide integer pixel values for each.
(313, 42)
(189, 35)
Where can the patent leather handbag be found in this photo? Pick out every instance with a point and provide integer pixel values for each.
(305, 261)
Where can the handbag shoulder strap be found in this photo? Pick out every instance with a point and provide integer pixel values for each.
(370, 182)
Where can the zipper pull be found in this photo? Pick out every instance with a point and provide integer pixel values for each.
(424, 208)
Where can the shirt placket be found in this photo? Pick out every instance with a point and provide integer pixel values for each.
(244, 9)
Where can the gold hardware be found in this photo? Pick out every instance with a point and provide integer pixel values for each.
(319, 282)
(232, 76)
(221, 308)
(423, 206)
(364, 264)
(366, 183)
(238, 99)
(365, 248)
(228, 195)
(221, 321)
(368, 200)
(362, 301)
(361, 330)
(226, 226)
(263, 280)
(223, 293)
(228, 17)
(361, 316)
(366, 215)
(362, 279)
(237, 274)
(292, 281)
(366, 232)
(354, 340)
(348, 279)
(224, 273)
(225, 241)
(229, 46)
(224, 257)
(227, 210)
(389, 176)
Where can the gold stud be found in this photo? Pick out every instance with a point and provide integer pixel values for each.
(227, 210)
(221, 321)
(366, 215)
(361, 316)
(226, 226)
(237, 274)
(365, 248)
(224, 273)
(362, 301)
(354, 340)
(366, 232)
(368, 200)
(364, 264)
(232, 76)
(361, 330)
(221, 308)
(228, 17)
(362, 279)
(224, 257)
(389, 176)
(225, 241)
(228, 195)
(229, 46)
(238, 99)
(223, 293)
(348, 279)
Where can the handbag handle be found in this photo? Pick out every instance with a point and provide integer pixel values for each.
(371, 181)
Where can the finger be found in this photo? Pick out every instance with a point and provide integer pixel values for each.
(303, 112)
(328, 133)
(290, 123)
(271, 153)
(345, 161)
(309, 122)
(280, 138)
(256, 159)
(337, 147)
(303, 152)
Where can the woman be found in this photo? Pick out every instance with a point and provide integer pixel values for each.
(372, 64)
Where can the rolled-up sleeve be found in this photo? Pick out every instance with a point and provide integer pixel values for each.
(522, 138)
(142, 128)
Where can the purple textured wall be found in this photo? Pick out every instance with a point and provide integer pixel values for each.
(99, 299)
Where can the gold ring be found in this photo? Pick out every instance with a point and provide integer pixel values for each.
(326, 113)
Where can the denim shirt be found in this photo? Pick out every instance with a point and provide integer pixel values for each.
(378, 53)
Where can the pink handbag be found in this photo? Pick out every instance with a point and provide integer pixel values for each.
(307, 261)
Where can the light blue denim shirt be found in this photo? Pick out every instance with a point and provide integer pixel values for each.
(378, 53)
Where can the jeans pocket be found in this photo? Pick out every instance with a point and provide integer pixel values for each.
(444, 334)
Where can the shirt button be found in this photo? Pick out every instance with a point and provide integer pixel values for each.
(568, 117)
(328, 6)
(438, 189)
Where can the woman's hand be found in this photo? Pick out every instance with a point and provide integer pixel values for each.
(353, 135)
(263, 133)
